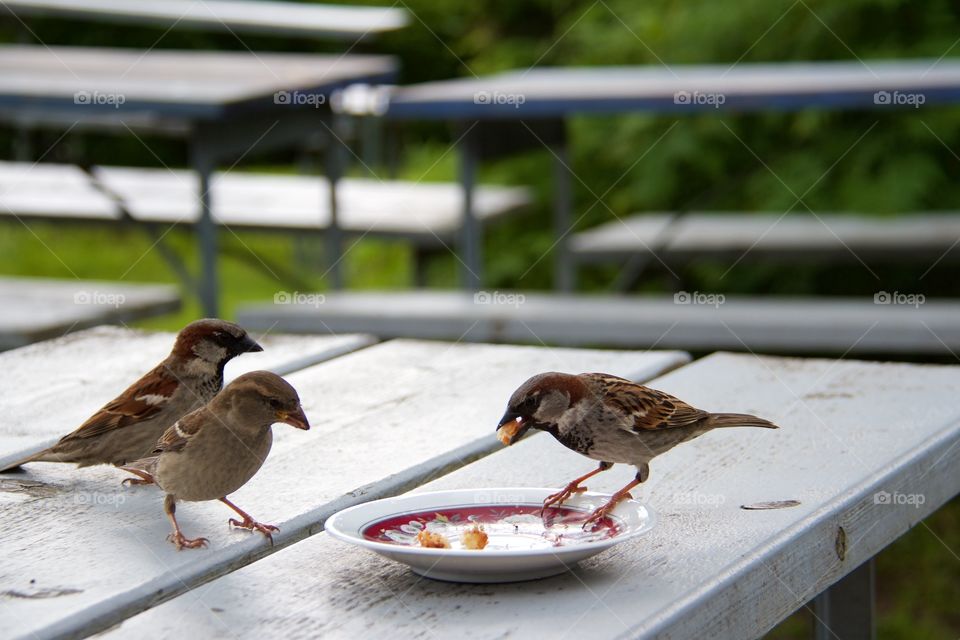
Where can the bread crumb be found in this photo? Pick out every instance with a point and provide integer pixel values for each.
(430, 540)
(475, 538)
(508, 432)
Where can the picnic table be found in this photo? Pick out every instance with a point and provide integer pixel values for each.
(849, 432)
(271, 18)
(529, 107)
(225, 104)
(33, 309)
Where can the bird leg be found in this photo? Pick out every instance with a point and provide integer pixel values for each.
(603, 511)
(248, 522)
(177, 537)
(144, 477)
(572, 488)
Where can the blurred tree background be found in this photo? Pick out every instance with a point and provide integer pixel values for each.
(878, 162)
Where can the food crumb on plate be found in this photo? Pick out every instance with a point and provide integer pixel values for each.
(474, 538)
(430, 540)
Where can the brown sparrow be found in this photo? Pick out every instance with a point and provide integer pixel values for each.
(215, 450)
(611, 420)
(127, 428)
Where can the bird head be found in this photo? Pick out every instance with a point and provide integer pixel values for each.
(539, 403)
(264, 398)
(214, 341)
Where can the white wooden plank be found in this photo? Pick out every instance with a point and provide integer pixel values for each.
(708, 568)
(52, 190)
(40, 308)
(694, 320)
(384, 419)
(678, 88)
(174, 82)
(71, 377)
(286, 18)
(302, 202)
(772, 235)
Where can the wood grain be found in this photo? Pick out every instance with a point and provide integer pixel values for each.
(385, 419)
(850, 430)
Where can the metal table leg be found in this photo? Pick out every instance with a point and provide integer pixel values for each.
(565, 275)
(845, 611)
(334, 235)
(203, 164)
(470, 241)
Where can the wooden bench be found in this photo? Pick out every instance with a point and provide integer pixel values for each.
(289, 19)
(429, 215)
(886, 323)
(36, 309)
(438, 410)
(677, 238)
(852, 445)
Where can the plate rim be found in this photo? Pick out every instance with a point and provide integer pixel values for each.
(334, 527)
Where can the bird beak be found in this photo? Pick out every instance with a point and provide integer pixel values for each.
(248, 345)
(511, 428)
(295, 418)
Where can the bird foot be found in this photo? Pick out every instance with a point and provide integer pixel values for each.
(142, 478)
(182, 542)
(602, 512)
(253, 525)
(560, 496)
(134, 482)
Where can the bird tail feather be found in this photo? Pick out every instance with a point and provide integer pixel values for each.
(47, 455)
(718, 420)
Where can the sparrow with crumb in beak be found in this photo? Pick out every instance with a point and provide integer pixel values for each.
(212, 452)
(127, 428)
(609, 419)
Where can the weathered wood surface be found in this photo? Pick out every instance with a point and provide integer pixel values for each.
(275, 18)
(680, 88)
(420, 211)
(385, 419)
(51, 387)
(771, 235)
(850, 431)
(178, 84)
(302, 202)
(33, 309)
(689, 320)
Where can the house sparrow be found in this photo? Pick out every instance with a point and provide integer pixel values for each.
(611, 420)
(216, 449)
(127, 428)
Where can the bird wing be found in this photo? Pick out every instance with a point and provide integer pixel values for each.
(644, 409)
(181, 432)
(142, 400)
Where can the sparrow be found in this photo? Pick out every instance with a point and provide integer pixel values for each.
(609, 419)
(213, 451)
(127, 427)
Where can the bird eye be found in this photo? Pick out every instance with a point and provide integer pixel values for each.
(274, 403)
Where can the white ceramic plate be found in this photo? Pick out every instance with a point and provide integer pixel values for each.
(521, 545)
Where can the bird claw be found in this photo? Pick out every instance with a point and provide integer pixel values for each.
(560, 496)
(131, 482)
(253, 525)
(182, 542)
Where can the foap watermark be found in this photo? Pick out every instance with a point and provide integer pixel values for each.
(699, 298)
(896, 297)
(498, 97)
(498, 497)
(699, 98)
(299, 99)
(96, 498)
(499, 297)
(297, 297)
(897, 498)
(99, 98)
(696, 498)
(899, 99)
(99, 298)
